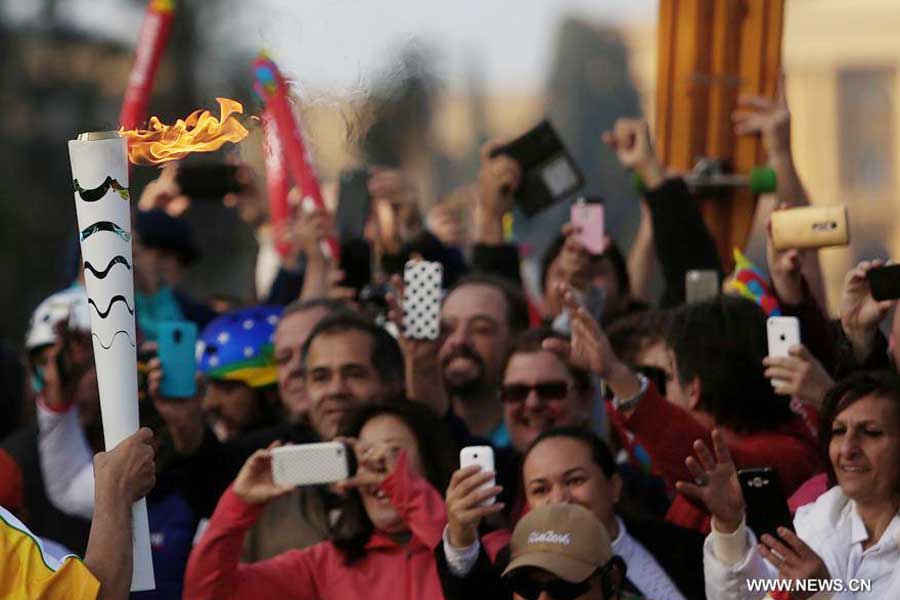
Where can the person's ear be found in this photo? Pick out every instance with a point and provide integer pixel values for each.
(694, 389)
(615, 487)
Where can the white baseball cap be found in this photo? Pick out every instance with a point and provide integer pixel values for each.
(70, 305)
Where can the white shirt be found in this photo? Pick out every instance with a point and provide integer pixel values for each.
(832, 528)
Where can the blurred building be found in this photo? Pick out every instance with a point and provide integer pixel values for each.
(841, 60)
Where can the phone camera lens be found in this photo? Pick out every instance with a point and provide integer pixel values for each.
(474, 456)
(783, 337)
(176, 336)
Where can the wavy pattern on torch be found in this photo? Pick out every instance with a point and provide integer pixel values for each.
(105, 226)
(117, 260)
(95, 194)
(116, 298)
(113, 339)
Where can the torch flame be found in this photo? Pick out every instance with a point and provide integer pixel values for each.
(200, 132)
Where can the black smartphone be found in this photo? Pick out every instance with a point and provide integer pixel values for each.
(885, 282)
(549, 173)
(767, 507)
(207, 181)
(354, 204)
(356, 263)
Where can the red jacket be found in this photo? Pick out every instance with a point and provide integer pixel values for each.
(667, 432)
(388, 570)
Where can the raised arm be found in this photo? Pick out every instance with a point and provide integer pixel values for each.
(213, 569)
(66, 460)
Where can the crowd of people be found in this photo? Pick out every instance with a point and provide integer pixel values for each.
(617, 431)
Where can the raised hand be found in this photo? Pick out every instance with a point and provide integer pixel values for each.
(164, 193)
(785, 268)
(574, 259)
(128, 471)
(463, 498)
(859, 310)
(715, 483)
(769, 118)
(395, 208)
(498, 179)
(630, 140)
(254, 483)
(589, 349)
(423, 374)
(800, 375)
(182, 416)
(793, 559)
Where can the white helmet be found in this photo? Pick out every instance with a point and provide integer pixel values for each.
(69, 305)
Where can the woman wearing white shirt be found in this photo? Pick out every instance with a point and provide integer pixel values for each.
(851, 532)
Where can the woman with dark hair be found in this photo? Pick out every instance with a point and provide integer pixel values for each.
(383, 543)
(850, 533)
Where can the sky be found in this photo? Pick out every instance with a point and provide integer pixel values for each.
(341, 45)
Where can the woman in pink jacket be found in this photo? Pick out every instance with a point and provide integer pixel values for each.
(383, 543)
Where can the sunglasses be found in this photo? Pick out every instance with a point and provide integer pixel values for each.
(522, 584)
(549, 390)
(526, 587)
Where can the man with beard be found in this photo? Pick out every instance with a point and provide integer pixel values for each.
(480, 317)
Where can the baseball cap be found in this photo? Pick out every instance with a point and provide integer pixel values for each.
(566, 540)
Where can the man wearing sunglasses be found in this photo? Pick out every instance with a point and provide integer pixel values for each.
(562, 552)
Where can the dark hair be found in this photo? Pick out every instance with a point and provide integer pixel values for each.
(632, 334)
(532, 341)
(516, 304)
(600, 452)
(386, 357)
(330, 305)
(882, 384)
(613, 253)
(722, 342)
(436, 448)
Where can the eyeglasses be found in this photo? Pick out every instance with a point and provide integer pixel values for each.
(528, 588)
(523, 584)
(548, 390)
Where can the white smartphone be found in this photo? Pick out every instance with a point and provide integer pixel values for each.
(422, 299)
(483, 456)
(782, 333)
(310, 464)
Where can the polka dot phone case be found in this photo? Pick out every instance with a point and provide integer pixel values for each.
(422, 299)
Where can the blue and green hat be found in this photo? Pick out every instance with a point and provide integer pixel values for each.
(238, 346)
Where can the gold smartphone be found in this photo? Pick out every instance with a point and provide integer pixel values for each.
(810, 227)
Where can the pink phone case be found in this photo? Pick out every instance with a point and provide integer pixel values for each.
(589, 218)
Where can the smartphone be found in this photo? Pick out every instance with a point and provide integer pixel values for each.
(884, 282)
(782, 333)
(177, 342)
(767, 507)
(810, 227)
(312, 464)
(700, 285)
(354, 204)
(356, 263)
(587, 215)
(483, 456)
(422, 299)
(549, 173)
(207, 181)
